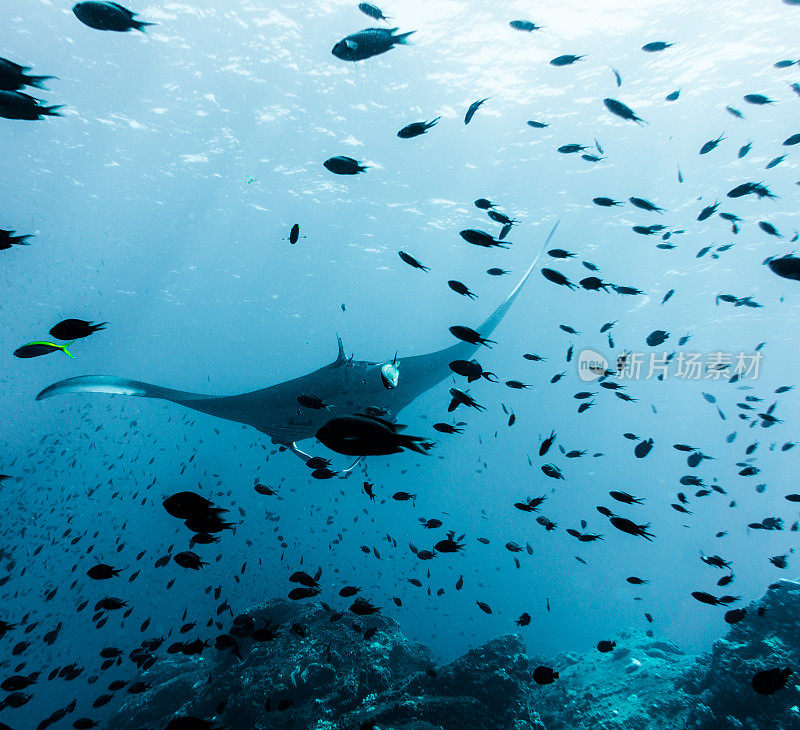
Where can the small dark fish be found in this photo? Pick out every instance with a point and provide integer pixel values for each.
(657, 337)
(16, 105)
(311, 401)
(499, 217)
(411, 261)
(734, 112)
(470, 369)
(462, 289)
(544, 675)
(769, 681)
(605, 202)
(368, 43)
(496, 272)
(524, 25)
(626, 498)
(467, 334)
(13, 76)
(646, 205)
(673, 96)
(758, 99)
(342, 165)
(362, 607)
(188, 559)
(775, 161)
(704, 597)
(708, 211)
(74, 329)
(372, 10)
(484, 204)
(643, 448)
(517, 384)
(480, 238)
(711, 144)
(8, 239)
(744, 149)
(417, 128)
(656, 46)
(473, 108)
(557, 278)
(623, 111)
(593, 283)
(447, 428)
(625, 525)
(735, 615)
(565, 60)
(626, 290)
(102, 15)
(568, 149)
(536, 125)
(769, 228)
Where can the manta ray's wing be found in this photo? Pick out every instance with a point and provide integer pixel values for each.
(271, 410)
(124, 386)
(352, 387)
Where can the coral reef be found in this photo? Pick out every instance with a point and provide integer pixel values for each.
(721, 682)
(327, 671)
(286, 666)
(631, 688)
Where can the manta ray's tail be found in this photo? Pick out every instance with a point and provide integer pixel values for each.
(121, 386)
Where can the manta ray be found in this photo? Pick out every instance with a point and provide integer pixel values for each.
(346, 386)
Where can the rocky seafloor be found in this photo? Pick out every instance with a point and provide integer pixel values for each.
(297, 669)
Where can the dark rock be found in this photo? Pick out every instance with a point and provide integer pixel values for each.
(336, 680)
(721, 681)
(331, 678)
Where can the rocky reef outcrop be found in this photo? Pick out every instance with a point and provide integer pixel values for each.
(303, 667)
(630, 688)
(286, 666)
(719, 684)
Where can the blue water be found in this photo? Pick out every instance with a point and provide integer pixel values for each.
(160, 203)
